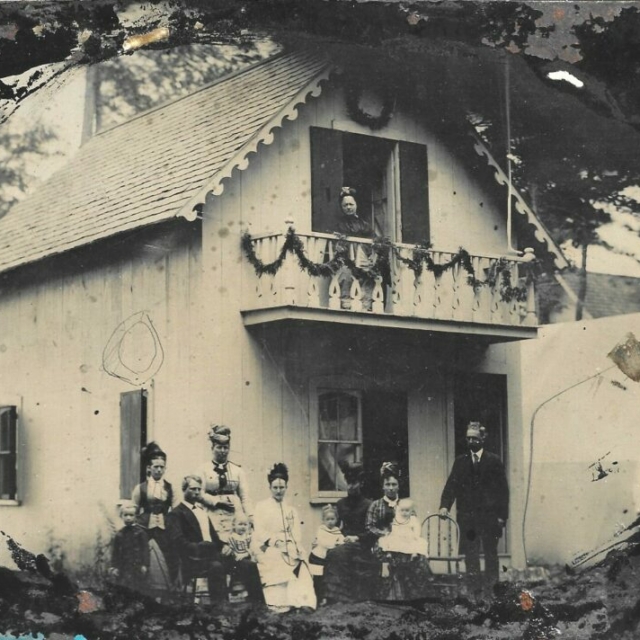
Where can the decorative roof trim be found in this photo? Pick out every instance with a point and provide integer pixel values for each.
(265, 136)
(541, 234)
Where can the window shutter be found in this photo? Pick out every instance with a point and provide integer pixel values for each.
(326, 178)
(133, 436)
(414, 192)
(8, 453)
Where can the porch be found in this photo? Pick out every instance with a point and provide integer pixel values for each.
(319, 277)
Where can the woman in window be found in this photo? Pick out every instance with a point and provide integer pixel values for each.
(351, 570)
(350, 224)
(403, 576)
(282, 562)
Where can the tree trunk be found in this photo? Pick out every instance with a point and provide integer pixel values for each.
(582, 287)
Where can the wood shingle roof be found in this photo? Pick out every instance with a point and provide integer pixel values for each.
(158, 164)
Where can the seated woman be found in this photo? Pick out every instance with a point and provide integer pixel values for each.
(286, 580)
(351, 570)
(404, 576)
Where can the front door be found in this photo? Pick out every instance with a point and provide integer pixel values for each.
(482, 398)
(385, 438)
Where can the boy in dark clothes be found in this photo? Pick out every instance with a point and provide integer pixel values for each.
(130, 554)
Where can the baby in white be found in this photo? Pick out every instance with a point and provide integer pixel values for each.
(404, 536)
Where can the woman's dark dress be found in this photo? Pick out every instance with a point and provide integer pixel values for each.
(408, 578)
(351, 570)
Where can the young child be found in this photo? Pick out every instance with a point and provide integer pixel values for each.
(240, 538)
(405, 532)
(241, 564)
(130, 553)
(328, 537)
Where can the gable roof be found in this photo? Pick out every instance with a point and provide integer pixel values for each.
(162, 163)
(150, 168)
(607, 295)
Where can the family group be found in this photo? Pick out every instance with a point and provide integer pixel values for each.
(363, 550)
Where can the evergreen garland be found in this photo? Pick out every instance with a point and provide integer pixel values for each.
(499, 273)
(353, 94)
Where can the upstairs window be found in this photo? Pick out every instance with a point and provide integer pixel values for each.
(8, 453)
(390, 178)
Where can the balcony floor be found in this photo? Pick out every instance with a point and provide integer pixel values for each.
(491, 333)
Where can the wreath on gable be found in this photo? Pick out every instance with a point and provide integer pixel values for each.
(353, 95)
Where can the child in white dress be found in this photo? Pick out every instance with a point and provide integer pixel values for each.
(328, 537)
(404, 536)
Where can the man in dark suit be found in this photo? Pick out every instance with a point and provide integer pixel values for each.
(478, 485)
(195, 542)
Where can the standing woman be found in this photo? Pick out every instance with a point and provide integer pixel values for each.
(225, 486)
(403, 576)
(285, 576)
(153, 499)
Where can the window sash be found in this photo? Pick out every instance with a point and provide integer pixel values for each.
(9, 455)
(324, 449)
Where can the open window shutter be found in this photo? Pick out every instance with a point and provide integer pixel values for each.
(133, 436)
(326, 178)
(8, 453)
(414, 192)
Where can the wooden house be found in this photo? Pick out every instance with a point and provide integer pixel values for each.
(130, 311)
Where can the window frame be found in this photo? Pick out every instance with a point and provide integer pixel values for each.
(16, 405)
(325, 191)
(317, 386)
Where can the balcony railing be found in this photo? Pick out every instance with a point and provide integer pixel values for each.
(402, 291)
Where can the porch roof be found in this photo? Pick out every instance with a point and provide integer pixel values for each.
(292, 316)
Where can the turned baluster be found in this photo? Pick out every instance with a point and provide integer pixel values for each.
(289, 275)
(377, 296)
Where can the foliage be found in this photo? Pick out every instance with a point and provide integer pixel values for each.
(381, 251)
(19, 151)
(126, 86)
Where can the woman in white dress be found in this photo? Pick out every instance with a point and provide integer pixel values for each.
(284, 573)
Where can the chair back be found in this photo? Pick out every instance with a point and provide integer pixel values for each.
(443, 538)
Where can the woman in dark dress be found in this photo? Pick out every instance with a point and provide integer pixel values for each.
(153, 499)
(403, 576)
(351, 570)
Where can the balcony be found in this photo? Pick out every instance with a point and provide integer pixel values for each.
(482, 294)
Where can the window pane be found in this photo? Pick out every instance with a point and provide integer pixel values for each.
(328, 403)
(348, 417)
(4, 436)
(7, 477)
(330, 454)
(7, 429)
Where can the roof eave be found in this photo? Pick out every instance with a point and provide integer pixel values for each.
(265, 136)
(521, 206)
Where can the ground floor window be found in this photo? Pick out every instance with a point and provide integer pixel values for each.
(8, 453)
(356, 424)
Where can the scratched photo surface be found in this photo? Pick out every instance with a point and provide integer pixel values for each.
(319, 320)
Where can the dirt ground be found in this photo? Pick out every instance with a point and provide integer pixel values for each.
(602, 603)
